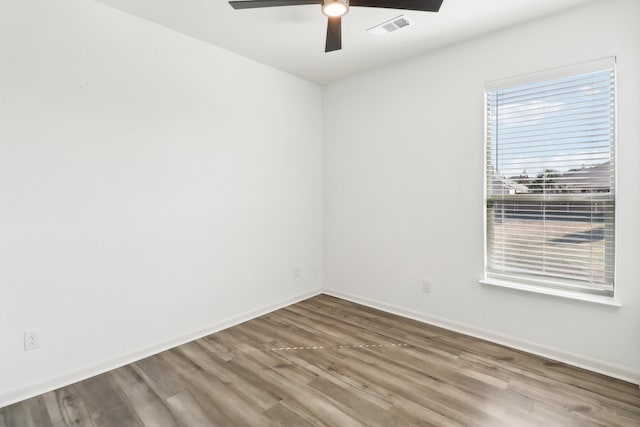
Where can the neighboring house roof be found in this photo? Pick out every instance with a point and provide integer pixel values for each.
(502, 185)
(594, 177)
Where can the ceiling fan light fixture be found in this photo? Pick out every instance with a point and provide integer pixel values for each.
(335, 8)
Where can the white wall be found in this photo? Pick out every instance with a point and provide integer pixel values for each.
(404, 187)
(152, 188)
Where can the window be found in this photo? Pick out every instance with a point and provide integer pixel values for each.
(550, 193)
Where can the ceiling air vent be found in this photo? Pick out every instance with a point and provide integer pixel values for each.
(390, 26)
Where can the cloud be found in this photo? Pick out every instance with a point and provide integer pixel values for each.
(530, 113)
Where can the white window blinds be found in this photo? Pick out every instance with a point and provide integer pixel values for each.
(550, 198)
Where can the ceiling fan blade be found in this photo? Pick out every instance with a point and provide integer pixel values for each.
(424, 5)
(251, 4)
(334, 34)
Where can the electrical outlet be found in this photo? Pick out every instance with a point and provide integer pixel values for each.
(426, 286)
(31, 340)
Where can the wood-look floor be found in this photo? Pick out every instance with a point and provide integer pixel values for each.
(325, 361)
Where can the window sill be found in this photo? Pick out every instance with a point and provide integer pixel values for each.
(593, 299)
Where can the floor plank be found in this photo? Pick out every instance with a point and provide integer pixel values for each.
(329, 362)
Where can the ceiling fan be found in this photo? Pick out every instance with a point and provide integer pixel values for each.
(335, 9)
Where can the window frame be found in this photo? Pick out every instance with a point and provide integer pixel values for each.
(547, 284)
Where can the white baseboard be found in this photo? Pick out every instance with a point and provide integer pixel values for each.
(89, 371)
(599, 366)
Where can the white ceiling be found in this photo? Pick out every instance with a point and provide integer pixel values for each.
(292, 38)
